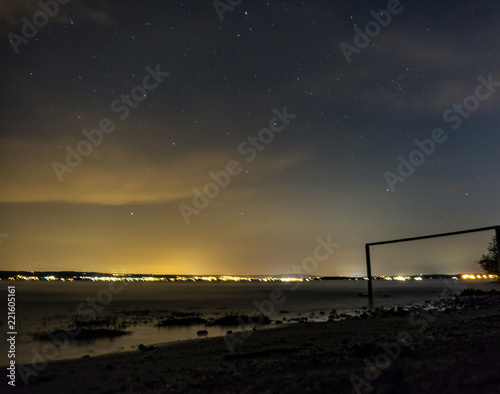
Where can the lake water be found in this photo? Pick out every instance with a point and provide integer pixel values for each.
(44, 306)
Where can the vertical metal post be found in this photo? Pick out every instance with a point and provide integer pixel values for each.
(369, 273)
(497, 237)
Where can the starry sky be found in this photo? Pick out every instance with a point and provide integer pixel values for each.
(316, 120)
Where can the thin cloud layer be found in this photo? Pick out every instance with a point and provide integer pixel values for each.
(116, 176)
(13, 11)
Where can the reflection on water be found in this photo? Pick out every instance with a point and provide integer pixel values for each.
(46, 306)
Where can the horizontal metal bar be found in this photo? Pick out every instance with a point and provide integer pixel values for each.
(433, 236)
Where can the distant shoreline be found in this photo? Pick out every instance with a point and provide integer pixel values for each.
(100, 276)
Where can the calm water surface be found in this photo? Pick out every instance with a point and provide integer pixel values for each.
(44, 306)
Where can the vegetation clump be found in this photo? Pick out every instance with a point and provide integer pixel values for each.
(179, 318)
(87, 329)
(238, 318)
(489, 262)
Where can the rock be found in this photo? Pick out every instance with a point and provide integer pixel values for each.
(202, 333)
(146, 348)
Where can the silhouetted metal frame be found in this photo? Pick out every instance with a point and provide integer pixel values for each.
(475, 230)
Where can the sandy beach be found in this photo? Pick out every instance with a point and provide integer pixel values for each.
(452, 346)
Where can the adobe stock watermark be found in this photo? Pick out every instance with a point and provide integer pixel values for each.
(11, 334)
(373, 28)
(454, 116)
(221, 179)
(392, 351)
(322, 252)
(60, 340)
(121, 106)
(48, 9)
(222, 7)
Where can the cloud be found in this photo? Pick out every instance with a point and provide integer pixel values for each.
(12, 12)
(116, 175)
(98, 17)
(408, 70)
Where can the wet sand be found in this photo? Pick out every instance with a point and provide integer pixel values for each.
(453, 347)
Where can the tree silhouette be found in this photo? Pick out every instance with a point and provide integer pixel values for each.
(489, 262)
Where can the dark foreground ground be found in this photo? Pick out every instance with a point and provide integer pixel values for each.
(452, 348)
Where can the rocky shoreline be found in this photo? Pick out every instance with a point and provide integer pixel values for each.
(449, 345)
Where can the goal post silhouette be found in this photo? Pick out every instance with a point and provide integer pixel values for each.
(475, 230)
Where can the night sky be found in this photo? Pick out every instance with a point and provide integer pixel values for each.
(309, 126)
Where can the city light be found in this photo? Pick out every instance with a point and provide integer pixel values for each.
(479, 276)
(131, 278)
(225, 278)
